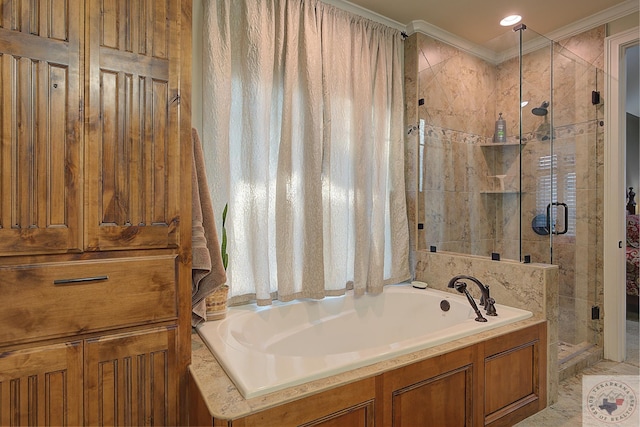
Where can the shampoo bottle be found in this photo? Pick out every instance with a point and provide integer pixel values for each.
(500, 134)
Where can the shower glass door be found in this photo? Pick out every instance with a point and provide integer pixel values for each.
(561, 162)
(538, 179)
(469, 180)
(534, 196)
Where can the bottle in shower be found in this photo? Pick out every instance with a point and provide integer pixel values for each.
(500, 134)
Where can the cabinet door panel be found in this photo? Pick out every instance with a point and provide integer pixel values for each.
(133, 149)
(361, 415)
(515, 376)
(131, 379)
(42, 386)
(351, 405)
(40, 127)
(444, 400)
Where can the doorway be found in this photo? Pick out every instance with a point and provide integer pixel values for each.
(614, 198)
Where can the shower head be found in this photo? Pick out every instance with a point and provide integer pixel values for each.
(541, 110)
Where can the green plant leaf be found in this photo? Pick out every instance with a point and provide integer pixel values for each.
(223, 246)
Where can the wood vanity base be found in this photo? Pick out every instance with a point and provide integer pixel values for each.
(497, 382)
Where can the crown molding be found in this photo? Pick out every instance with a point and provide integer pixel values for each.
(608, 15)
(419, 26)
(366, 13)
(444, 36)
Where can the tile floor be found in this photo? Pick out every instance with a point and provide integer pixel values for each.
(568, 410)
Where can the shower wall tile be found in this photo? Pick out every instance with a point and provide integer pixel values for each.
(507, 92)
(587, 45)
(480, 227)
(584, 153)
(567, 319)
(538, 250)
(584, 270)
(508, 249)
(512, 283)
(456, 87)
(564, 255)
(483, 246)
(586, 227)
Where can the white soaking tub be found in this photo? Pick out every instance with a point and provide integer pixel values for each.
(265, 349)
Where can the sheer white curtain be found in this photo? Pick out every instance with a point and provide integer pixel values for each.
(303, 138)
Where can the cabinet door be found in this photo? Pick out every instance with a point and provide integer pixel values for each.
(515, 376)
(351, 405)
(132, 379)
(133, 145)
(443, 400)
(42, 386)
(438, 391)
(40, 127)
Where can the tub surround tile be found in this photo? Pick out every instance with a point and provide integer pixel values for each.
(551, 305)
(553, 374)
(225, 402)
(511, 283)
(532, 287)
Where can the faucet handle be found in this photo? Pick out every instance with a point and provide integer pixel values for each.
(484, 297)
(490, 307)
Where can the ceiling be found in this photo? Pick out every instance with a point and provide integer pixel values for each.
(477, 21)
(475, 24)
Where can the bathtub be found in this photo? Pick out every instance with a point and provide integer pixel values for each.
(265, 349)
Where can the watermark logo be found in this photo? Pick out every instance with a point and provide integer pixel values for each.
(610, 400)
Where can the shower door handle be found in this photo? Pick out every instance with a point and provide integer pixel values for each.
(566, 217)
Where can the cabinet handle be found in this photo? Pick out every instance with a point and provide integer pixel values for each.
(80, 280)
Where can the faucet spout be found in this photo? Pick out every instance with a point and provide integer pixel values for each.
(485, 300)
(462, 288)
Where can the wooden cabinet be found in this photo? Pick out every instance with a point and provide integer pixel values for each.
(351, 405)
(515, 384)
(42, 385)
(348, 406)
(437, 391)
(132, 147)
(95, 211)
(41, 84)
(497, 382)
(128, 378)
(50, 300)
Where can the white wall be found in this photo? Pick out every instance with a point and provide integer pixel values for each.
(633, 155)
(632, 62)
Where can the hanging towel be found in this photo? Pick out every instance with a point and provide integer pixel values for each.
(207, 270)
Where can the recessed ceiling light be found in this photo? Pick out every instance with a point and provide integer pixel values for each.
(510, 20)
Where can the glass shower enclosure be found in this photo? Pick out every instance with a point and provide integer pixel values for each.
(510, 161)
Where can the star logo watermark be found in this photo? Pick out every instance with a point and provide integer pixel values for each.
(610, 400)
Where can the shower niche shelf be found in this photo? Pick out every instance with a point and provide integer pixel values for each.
(500, 192)
(501, 164)
(512, 143)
